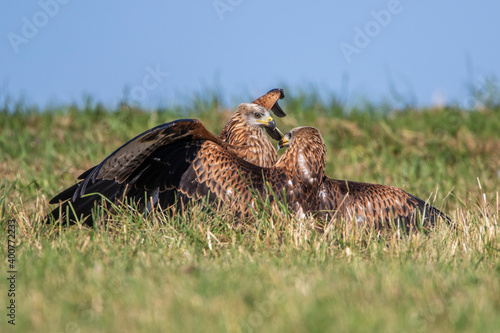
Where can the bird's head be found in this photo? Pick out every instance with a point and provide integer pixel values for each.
(259, 117)
(301, 136)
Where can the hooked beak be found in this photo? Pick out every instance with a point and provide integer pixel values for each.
(270, 123)
(271, 128)
(282, 143)
(275, 133)
(278, 111)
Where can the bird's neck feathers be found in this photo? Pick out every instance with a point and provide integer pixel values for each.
(226, 132)
(237, 130)
(248, 142)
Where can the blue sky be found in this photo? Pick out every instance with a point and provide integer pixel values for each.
(162, 52)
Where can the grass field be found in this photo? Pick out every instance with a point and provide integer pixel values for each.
(198, 273)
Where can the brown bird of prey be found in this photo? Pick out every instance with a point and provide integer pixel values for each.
(243, 133)
(244, 130)
(379, 205)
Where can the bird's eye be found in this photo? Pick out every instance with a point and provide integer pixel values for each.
(257, 115)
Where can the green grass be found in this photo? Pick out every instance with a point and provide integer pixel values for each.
(198, 273)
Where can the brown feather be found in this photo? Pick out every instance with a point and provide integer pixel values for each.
(374, 204)
(270, 101)
(365, 203)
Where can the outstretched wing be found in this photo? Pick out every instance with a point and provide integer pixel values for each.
(180, 159)
(120, 164)
(374, 203)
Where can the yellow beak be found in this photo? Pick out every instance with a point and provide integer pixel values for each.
(282, 143)
(270, 123)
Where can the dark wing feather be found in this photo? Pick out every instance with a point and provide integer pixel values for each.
(70, 191)
(81, 207)
(133, 164)
(375, 203)
(228, 178)
(120, 164)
